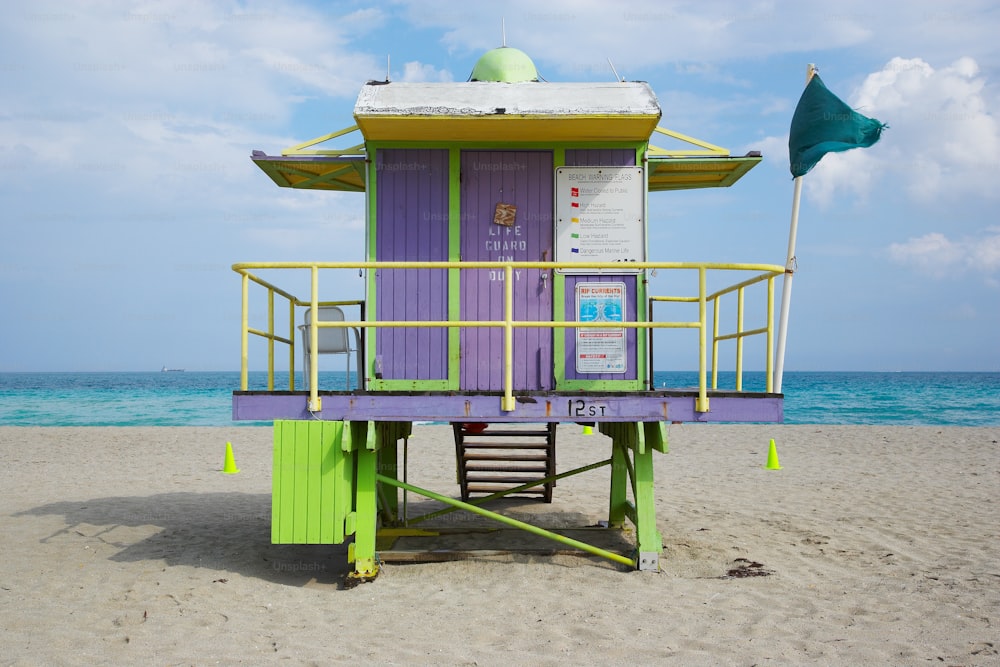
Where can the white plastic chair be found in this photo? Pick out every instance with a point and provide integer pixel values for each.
(332, 340)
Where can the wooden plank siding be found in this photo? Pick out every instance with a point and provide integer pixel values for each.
(412, 204)
(525, 179)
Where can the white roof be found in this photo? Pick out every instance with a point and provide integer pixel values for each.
(529, 98)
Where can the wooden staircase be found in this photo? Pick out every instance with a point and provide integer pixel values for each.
(504, 456)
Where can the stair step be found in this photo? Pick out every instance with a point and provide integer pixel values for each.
(502, 479)
(506, 433)
(502, 468)
(505, 445)
(499, 459)
(469, 456)
(494, 488)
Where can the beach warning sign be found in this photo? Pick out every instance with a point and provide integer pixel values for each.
(600, 349)
(600, 216)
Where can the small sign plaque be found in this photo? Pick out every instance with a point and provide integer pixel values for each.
(504, 215)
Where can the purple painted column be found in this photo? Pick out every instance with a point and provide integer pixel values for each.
(522, 179)
(412, 225)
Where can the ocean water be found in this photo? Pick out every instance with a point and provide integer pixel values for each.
(205, 398)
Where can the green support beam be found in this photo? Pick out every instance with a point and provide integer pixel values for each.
(642, 438)
(329, 477)
(535, 530)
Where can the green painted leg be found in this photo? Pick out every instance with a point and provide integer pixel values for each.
(650, 542)
(366, 509)
(619, 485)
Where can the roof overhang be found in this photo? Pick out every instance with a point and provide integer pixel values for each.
(685, 173)
(314, 172)
(491, 111)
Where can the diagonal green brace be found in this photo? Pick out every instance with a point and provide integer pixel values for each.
(515, 489)
(541, 532)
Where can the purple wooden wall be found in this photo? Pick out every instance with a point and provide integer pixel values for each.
(524, 179)
(412, 209)
(615, 157)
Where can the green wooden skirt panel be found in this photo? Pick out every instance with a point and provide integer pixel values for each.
(312, 483)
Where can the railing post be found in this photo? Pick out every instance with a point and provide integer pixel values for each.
(701, 403)
(244, 334)
(650, 382)
(291, 346)
(769, 361)
(716, 306)
(315, 404)
(739, 339)
(507, 403)
(270, 339)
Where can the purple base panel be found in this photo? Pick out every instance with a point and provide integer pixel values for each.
(533, 408)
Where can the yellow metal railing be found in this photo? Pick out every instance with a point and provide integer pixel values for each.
(766, 272)
(273, 337)
(716, 298)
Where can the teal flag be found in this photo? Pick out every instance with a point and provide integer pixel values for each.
(823, 124)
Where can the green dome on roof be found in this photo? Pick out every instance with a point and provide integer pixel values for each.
(505, 65)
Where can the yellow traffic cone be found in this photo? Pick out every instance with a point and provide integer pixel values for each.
(772, 457)
(230, 467)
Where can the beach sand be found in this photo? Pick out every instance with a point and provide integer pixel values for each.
(882, 544)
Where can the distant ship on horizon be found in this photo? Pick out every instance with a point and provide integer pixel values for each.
(171, 370)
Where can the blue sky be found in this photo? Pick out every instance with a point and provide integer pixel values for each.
(127, 189)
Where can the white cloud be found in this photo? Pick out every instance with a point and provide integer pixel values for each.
(943, 139)
(940, 256)
(415, 71)
(156, 107)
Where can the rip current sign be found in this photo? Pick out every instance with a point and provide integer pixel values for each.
(600, 349)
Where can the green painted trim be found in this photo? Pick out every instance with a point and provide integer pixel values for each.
(603, 385)
(558, 281)
(409, 385)
(371, 302)
(454, 275)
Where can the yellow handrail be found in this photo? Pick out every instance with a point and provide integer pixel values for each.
(767, 272)
(740, 334)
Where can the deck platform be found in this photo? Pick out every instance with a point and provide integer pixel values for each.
(531, 407)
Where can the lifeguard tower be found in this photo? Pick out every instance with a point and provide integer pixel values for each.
(506, 291)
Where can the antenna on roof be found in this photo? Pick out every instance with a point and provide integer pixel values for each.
(503, 32)
(618, 79)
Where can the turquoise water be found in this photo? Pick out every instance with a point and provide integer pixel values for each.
(205, 399)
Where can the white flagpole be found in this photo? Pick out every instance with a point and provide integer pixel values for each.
(786, 287)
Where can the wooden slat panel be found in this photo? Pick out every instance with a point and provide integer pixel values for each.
(311, 483)
(524, 179)
(412, 211)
